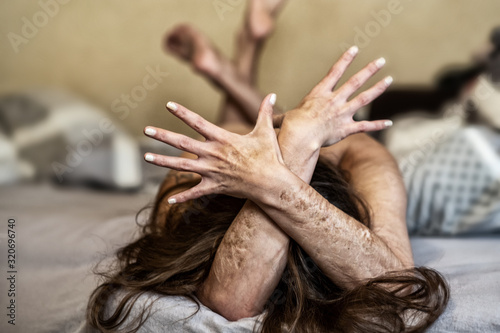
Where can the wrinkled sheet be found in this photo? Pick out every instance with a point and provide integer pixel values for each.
(62, 233)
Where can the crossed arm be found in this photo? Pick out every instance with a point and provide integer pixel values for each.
(252, 255)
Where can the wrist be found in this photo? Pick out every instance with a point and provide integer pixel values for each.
(273, 189)
(296, 135)
(265, 183)
(300, 152)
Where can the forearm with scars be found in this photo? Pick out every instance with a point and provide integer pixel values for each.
(374, 174)
(344, 249)
(252, 255)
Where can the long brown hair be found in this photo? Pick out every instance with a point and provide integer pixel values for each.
(174, 254)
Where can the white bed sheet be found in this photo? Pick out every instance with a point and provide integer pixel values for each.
(62, 233)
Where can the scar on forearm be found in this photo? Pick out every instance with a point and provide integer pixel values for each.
(284, 196)
(237, 242)
(301, 204)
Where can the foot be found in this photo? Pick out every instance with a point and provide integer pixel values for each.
(261, 15)
(192, 46)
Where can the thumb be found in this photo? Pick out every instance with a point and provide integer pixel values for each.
(265, 118)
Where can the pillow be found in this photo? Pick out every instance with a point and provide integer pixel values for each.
(454, 187)
(68, 140)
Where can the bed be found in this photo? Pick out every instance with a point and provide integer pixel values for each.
(61, 233)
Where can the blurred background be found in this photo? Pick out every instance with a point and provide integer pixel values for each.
(100, 52)
(80, 79)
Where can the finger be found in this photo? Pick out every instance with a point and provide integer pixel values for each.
(193, 193)
(195, 121)
(355, 82)
(176, 140)
(368, 126)
(265, 117)
(328, 83)
(369, 95)
(176, 163)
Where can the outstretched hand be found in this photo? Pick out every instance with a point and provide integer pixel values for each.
(229, 163)
(238, 165)
(325, 116)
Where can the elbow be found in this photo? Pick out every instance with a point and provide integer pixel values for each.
(224, 306)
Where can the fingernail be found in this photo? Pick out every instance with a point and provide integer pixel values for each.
(272, 99)
(380, 62)
(149, 157)
(150, 131)
(353, 50)
(388, 80)
(388, 123)
(172, 106)
(172, 201)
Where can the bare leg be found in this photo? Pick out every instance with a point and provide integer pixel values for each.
(258, 26)
(240, 109)
(192, 46)
(242, 100)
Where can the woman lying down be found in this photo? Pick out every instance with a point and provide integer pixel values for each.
(304, 224)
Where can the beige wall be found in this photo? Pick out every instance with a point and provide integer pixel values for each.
(102, 49)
